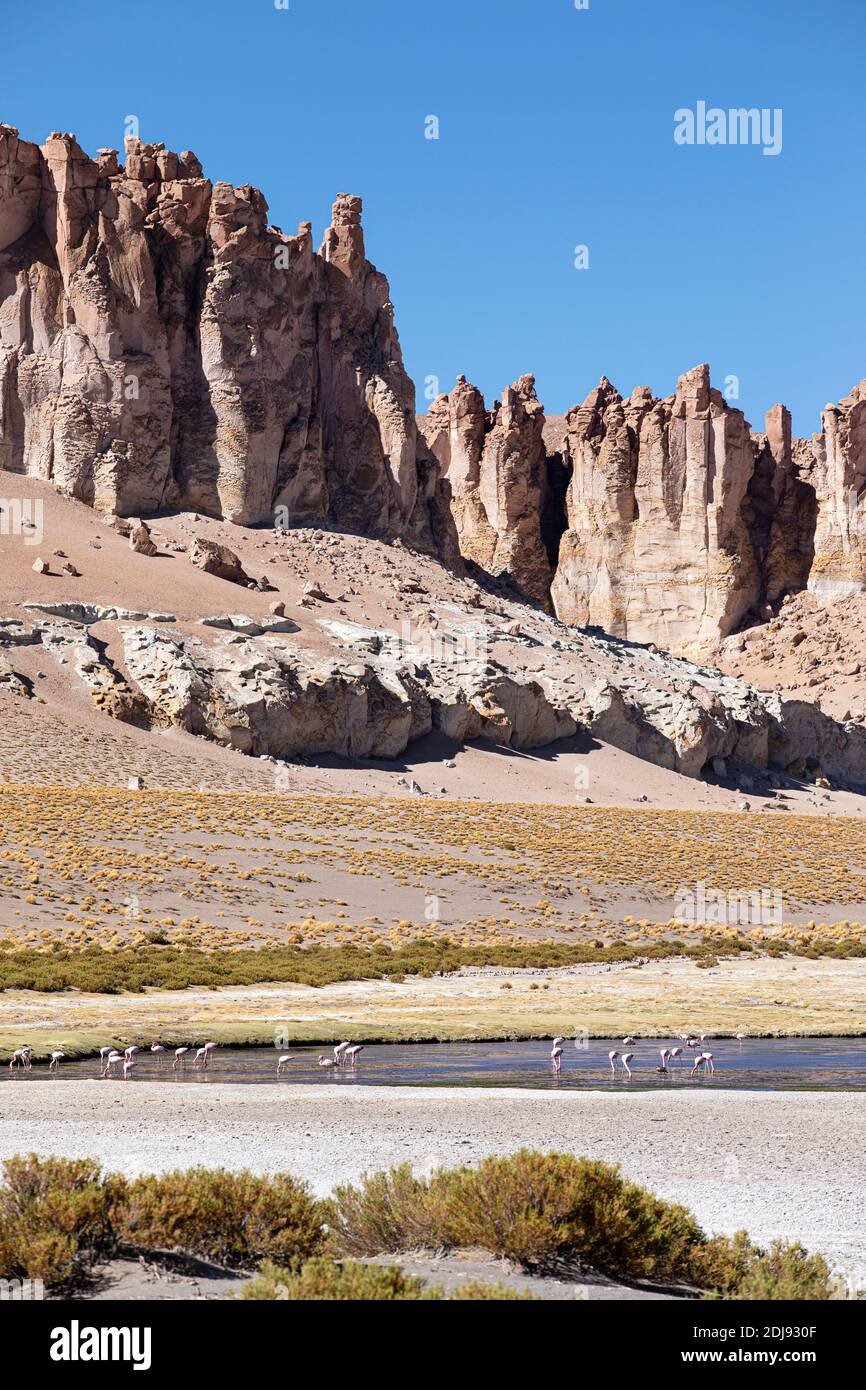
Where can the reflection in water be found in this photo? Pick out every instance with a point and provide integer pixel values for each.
(754, 1064)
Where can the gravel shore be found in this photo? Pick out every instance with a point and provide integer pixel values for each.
(780, 1164)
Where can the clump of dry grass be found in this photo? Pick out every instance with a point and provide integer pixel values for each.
(235, 1219)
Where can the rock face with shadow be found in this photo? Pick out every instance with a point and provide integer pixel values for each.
(162, 346)
(518, 678)
(658, 520)
(495, 465)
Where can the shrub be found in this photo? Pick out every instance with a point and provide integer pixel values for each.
(236, 1219)
(475, 1290)
(387, 1212)
(545, 1209)
(537, 1209)
(55, 1218)
(736, 1268)
(322, 1279)
(350, 1280)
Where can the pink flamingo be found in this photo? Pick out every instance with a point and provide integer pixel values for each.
(740, 1037)
(625, 1059)
(612, 1056)
(327, 1062)
(339, 1052)
(130, 1052)
(129, 1067)
(104, 1051)
(628, 1042)
(676, 1052)
(55, 1058)
(111, 1061)
(158, 1049)
(664, 1054)
(556, 1055)
(352, 1052)
(179, 1054)
(286, 1057)
(201, 1056)
(703, 1059)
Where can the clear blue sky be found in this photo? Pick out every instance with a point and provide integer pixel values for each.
(556, 129)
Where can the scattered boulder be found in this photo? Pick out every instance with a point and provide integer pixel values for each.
(140, 539)
(217, 560)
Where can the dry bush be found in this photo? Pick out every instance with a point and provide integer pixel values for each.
(734, 1267)
(55, 1218)
(235, 1219)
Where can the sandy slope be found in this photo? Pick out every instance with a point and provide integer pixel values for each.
(59, 738)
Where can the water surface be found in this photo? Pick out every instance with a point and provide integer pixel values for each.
(836, 1064)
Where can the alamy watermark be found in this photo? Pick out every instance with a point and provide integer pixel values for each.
(23, 516)
(712, 125)
(698, 905)
(21, 1290)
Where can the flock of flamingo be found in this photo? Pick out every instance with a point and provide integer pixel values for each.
(345, 1054)
(673, 1059)
(703, 1060)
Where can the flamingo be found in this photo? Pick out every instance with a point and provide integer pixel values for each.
(111, 1061)
(327, 1062)
(203, 1055)
(740, 1037)
(129, 1066)
(55, 1058)
(675, 1054)
(664, 1054)
(286, 1057)
(556, 1056)
(339, 1052)
(612, 1056)
(352, 1052)
(625, 1059)
(628, 1042)
(179, 1054)
(103, 1052)
(129, 1052)
(158, 1049)
(703, 1059)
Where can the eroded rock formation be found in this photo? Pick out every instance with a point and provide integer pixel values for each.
(495, 464)
(161, 345)
(663, 520)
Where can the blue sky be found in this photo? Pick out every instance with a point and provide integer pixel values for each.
(555, 130)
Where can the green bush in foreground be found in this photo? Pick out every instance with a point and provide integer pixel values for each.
(350, 1280)
(539, 1210)
(548, 1210)
(59, 1218)
(734, 1267)
(235, 1219)
(55, 1218)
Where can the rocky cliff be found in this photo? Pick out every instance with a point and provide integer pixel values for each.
(162, 346)
(660, 520)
